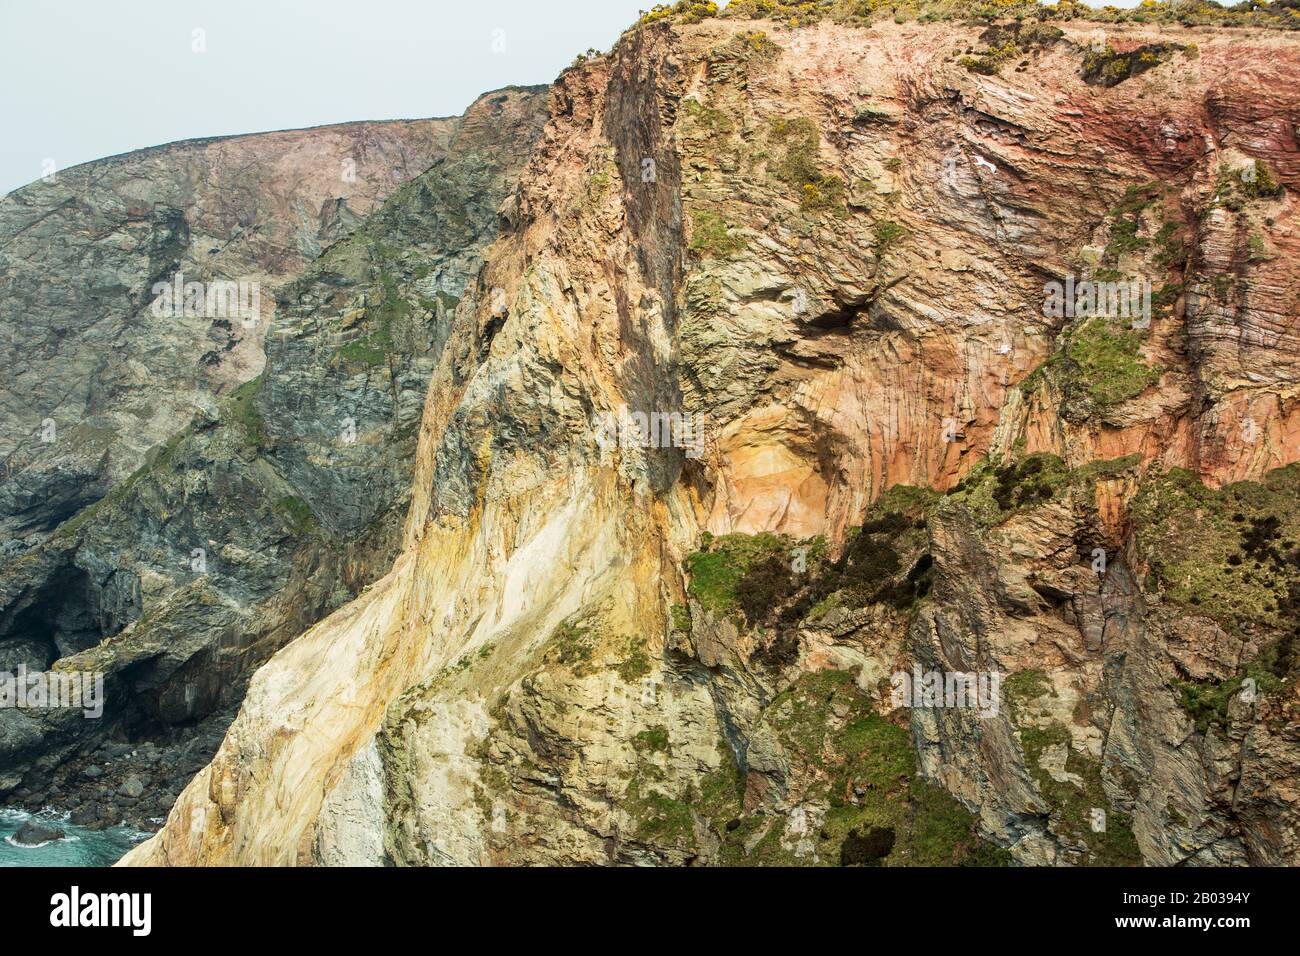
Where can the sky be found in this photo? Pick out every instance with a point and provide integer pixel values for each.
(84, 79)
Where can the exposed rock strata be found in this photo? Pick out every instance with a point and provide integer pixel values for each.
(95, 378)
(272, 508)
(840, 261)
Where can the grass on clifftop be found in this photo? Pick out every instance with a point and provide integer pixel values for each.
(794, 13)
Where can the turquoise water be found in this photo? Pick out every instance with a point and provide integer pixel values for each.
(80, 847)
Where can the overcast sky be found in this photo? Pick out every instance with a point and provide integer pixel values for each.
(83, 79)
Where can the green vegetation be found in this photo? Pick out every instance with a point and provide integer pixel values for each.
(297, 513)
(798, 142)
(1230, 554)
(861, 801)
(888, 234)
(636, 664)
(796, 13)
(383, 320)
(571, 645)
(1009, 42)
(1072, 805)
(683, 11)
(993, 492)
(1109, 68)
(1106, 361)
(1234, 188)
(1020, 688)
(242, 410)
(711, 237)
(717, 569)
(711, 121)
(654, 740)
(772, 579)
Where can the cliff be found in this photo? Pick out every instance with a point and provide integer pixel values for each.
(270, 504)
(829, 245)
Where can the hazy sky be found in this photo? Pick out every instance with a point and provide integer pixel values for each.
(83, 79)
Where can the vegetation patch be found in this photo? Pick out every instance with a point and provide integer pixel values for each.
(571, 645)
(1109, 362)
(635, 663)
(684, 11)
(1108, 68)
(1231, 554)
(242, 410)
(887, 234)
(1234, 188)
(862, 803)
(717, 569)
(797, 140)
(711, 236)
(297, 513)
(1073, 805)
(1007, 42)
(993, 492)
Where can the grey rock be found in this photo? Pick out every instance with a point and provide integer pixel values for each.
(33, 833)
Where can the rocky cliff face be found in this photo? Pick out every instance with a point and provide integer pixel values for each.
(96, 377)
(831, 244)
(275, 505)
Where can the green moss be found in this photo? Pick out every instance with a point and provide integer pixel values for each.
(1072, 805)
(363, 352)
(654, 740)
(681, 618)
(717, 569)
(711, 236)
(659, 818)
(797, 141)
(1124, 238)
(711, 121)
(992, 492)
(241, 410)
(858, 774)
(636, 662)
(572, 645)
(1108, 362)
(888, 234)
(1230, 554)
(1024, 686)
(298, 513)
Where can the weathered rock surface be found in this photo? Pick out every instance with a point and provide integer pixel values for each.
(95, 378)
(274, 506)
(832, 242)
(32, 833)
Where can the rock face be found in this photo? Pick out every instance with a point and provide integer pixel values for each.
(94, 377)
(272, 507)
(829, 250)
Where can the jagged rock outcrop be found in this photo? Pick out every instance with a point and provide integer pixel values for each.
(273, 507)
(833, 241)
(95, 378)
